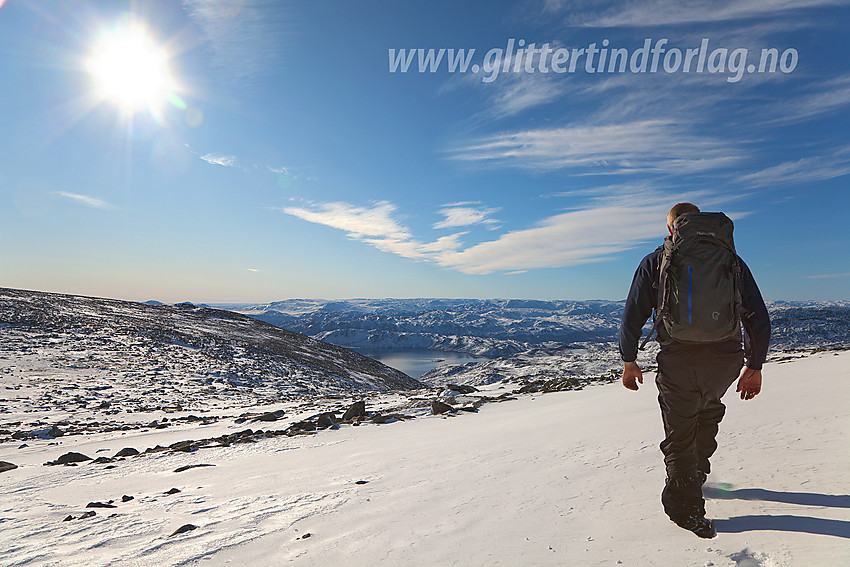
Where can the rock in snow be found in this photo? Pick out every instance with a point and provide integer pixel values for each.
(69, 458)
(183, 529)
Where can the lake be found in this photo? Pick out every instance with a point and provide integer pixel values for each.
(416, 362)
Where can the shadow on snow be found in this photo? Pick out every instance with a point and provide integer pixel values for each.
(783, 523)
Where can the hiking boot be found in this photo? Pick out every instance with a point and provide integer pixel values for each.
(700, 525)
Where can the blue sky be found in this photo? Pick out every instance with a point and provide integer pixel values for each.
(271, 153)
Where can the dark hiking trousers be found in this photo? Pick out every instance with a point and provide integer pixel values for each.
(691, 380)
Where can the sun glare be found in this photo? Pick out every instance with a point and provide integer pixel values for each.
(131, 71)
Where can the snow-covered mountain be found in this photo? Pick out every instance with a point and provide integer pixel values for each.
(485, 327)
(156, 346)
(498, 327)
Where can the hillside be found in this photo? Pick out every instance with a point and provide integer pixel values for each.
(165, 346)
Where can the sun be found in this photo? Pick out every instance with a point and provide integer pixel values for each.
(130, 70)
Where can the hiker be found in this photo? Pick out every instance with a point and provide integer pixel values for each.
(701, 351)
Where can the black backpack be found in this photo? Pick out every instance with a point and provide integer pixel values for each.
(699, 286)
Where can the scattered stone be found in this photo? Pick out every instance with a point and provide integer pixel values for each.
(6, 466)
(187, 467)
(55, 432)
(305, 536)
(388, 418)
(362, 482)
(462, 388)
(327, 419)
(438, 407)
(270, 416)
(183, 529)
(127, 452)
(302, 426)
(182, 446)
(23, 446)
(83, 516)
(126, 498)
(172, 491)
(100, 505)
(69, 459)
(103, 460)
(357, 409)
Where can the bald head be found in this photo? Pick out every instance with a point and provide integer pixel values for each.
(679, 209)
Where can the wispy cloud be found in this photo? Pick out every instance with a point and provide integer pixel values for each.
(242, 34)
(466, 214)
(220, 159)
(803, 170)
(591, 234)
(827, 97)
(520, 91)
(823, 276)
(638, 146)
(605, 227)
(664, 12)
(359, 222)
(85, 200)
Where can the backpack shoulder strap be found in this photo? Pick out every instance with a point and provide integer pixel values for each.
(661, 284)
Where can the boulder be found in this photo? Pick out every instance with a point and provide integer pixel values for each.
(100, 505)
(462, 388)
(183, 529)
(357, 409)
(183, 446)
(438, 407)
(187, 467)
(127, 452)
(270, 416)
(69, 458)
(326, 420)
(6, 466)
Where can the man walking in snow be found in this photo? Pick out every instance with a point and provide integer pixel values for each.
(693, 374)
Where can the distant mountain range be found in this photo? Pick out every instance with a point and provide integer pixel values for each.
(498, 327)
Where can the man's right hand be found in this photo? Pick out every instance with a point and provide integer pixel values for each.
(632, 376)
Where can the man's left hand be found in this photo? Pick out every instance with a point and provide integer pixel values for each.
(749, 383)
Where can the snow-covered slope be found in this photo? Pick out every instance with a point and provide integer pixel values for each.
(568, 478)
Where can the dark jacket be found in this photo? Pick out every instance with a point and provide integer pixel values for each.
(642, 300)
